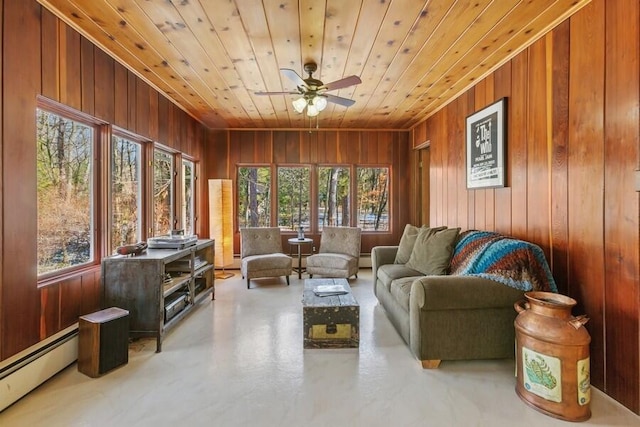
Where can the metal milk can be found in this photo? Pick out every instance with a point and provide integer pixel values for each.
(552, 356)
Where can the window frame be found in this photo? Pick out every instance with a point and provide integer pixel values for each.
(100, 136)
(272, 201)
(145, 145)
(313, 193)
(311, 198)
(355, 219)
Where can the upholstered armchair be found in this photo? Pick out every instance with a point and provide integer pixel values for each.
(339, 253)
(261, 254)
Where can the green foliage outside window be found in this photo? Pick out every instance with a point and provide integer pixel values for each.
(373, 199)
(254, 197)
(162, 192)
(188, 209)
(126, 192)
(293, 198)
(334, 200)
(65, 181)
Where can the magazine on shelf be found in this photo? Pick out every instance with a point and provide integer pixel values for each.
(328, 290)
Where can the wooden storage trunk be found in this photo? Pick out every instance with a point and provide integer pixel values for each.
(330, 321)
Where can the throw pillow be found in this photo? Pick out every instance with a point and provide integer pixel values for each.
(432, 252)
(408, 240)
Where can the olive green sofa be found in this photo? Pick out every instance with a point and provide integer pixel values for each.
(460, 309)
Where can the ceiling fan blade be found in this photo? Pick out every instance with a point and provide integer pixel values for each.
(339, 100)
(342, 83)
(276, 93)
(293, 76)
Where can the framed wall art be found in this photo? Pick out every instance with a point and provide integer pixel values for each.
(486, 144)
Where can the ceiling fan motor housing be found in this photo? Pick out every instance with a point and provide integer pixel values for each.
(311, 68)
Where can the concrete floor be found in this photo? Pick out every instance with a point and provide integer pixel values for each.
(239, 361)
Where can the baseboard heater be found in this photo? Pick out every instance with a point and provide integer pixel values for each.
(28, 369)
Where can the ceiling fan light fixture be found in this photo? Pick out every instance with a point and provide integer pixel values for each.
(320, 102)
(312, 111)
(299, 104)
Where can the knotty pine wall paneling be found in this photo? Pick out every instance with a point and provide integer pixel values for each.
(502, 196)
(21, 81)
(586, 175)
(105, 88)
(87, 70)
(43, 56)
(559, 155)
(621, 204)
(573, 148)
(538, 145)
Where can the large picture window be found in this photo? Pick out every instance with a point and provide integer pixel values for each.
(126, 192)
(163, 198)
(188, 202)
(254, 196)
(293, 198)
(334, 201)
(65, 179)
(373, 198)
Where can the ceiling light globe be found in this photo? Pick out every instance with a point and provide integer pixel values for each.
(320, 102)
(299, 104)
(312, 111)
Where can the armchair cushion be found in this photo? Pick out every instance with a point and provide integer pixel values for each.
(339, 254)
(261, 254)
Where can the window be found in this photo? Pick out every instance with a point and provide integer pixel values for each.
(65, 179)
(254, 197)
(293, 198)
(126, 191)
(163, 198)
(373, 199)
(334, 199)
(188, 202)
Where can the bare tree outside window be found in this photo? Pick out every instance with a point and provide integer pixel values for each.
(188, 215)
(254, 197)
(126, 192)
(65, 182)
(373, 199)
(333, 196)
(162, 192)
(293, 198)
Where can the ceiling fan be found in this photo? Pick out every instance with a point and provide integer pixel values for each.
(312, 91)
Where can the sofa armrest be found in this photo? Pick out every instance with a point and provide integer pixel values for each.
(460, 293)
(381, 255)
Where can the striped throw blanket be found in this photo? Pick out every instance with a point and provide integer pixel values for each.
(512, 262)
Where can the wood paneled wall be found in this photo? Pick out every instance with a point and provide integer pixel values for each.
(572, 155)
(43, 56)
(226, 150)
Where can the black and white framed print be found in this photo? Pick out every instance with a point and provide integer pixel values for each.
(486, 140)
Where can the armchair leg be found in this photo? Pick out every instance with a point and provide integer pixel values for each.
(430, 364)
(310, 276)
(248, 283)
(287, 280)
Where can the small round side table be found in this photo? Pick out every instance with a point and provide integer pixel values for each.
(299, 243)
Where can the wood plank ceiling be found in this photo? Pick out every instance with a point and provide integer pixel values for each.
(211, 56)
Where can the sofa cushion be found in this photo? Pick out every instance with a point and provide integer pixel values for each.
(401, 290)
(432, 251)
(390, 272)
